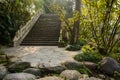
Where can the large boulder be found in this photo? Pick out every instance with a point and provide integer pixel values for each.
(50, 78)
(19, 76)
(90, 65)
(56, 69)
(109, 66)
(3, 72)
(72, 65)
(70, 75)
(34, 71)
(18, 66)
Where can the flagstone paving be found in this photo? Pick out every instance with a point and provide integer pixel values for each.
(48, 56)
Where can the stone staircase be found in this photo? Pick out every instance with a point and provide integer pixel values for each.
(45, 32)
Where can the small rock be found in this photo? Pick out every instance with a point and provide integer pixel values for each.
(90, 65)
(72, 65)
(2, 58)
(56, 69)
(70, 75)
(85, 76)
(19, 66)
(34, 71)
(102, 76)
(3, 72)
(91, 78)
(109, 66)
(19, 76)
(50, 78)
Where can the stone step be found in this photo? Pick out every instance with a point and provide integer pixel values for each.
(49, 16)
(46, 31)
(47, 28)
(38, 41)
(43, 35)
(40, 36)
(39, 44)
(49, 19)
(46, 25)
(42, 28)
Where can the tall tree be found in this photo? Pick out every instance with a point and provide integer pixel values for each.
(75, 34)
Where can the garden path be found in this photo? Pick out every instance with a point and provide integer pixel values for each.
(48, 56)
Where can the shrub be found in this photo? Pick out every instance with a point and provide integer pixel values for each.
(81, 42)
(73, 47)
(84, 70)
(87, 48)
(93, 56)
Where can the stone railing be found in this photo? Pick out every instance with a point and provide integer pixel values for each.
(23, 31)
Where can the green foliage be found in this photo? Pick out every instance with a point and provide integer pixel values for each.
(100, 21)
(116, 74)
(92, 56)
(87, 49)
(81, 42)
(84, 70)
(62, 44)
(13, 14)
(73, 47)
(11, 17)
(47, 6)
(67, 23)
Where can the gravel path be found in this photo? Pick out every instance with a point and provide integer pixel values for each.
(48, 56)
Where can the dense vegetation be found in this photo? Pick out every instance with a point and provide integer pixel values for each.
(13, 14)
(99, 24)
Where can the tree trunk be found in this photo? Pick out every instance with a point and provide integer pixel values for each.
(75, 34)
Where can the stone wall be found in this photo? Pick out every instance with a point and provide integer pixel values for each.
(23, 31)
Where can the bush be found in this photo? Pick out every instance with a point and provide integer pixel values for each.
(73, 47)
(82, 42)
(93, 56)
(12, 15)
(84, 70)
(116, 49)
(87, 49)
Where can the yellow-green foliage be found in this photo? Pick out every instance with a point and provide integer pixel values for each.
(102, 18)
(86, 48)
